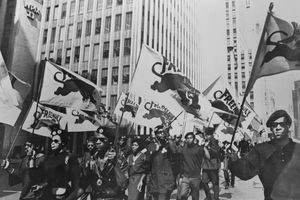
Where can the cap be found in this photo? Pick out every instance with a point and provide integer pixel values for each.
(99, 133)
(189, 133)
(278, 114)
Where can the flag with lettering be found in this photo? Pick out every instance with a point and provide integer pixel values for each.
(127, 105)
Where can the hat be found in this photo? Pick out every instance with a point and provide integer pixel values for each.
(189, 133)
(159, 129)
(99, 133)
(278, 114)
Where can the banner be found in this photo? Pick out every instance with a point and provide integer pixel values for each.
(40, 119)
(158, 79)
(278, 50)
(79, 121)
(224, 132)
(223, 97)
(64, 88)
(130, 108)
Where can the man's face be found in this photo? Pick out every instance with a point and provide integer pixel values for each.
(28, 148)
(100, 143)
(190, 139)
(90, 145)
(134, 146)
(161, 135)
(55, 142)
(280, 129)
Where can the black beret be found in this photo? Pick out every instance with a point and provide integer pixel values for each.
(189, 133)
(278, 114)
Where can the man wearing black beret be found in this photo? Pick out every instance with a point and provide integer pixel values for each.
(276, 162)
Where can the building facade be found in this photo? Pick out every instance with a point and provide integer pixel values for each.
(101, 39)
(296, 109)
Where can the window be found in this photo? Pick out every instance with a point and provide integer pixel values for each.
(99, 4)
(88, 28)
(229, 76)
(70, 31)
(76, 54)
(72, 8)
(116, 48)
(55, 14)
(86, 53)
(45, 36)
(94, 76)
(63, 11)
(43, 56)
(68, 55)
(104, 76)
(96, 51)
(119, 2)
(51, 56)
(79, 30)
(114, 75)
(105, 49)
(235, 75)
(127, 45)
(59, 56)
(107, 24)
(47, 14)
(125, 78)
(90, 5)
(98, 26)
(61, 33)
(108, 3)
(243, 74)
(243, 84)
(81, 4)
(128, 22)
(84, 73)
(53, 35)
(118, 22)
(113, 101)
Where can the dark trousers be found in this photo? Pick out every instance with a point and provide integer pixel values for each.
(211, 175)
(162, 196)
(229, 179)
(189, 186)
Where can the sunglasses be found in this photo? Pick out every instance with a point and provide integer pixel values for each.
(27, 145)
(55, 141)
(275, 124)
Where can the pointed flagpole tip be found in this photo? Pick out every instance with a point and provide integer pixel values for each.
(271, 6)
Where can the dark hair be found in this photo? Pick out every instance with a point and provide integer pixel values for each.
(188, 134)
(278, 114)
(140, 143)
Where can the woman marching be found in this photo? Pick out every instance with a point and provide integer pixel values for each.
(138, 167)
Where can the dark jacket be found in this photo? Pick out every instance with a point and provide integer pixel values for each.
(277, 167)
(214, 152)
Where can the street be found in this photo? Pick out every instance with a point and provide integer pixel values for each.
(243, 190)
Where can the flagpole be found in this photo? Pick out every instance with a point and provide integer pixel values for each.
(248, 85)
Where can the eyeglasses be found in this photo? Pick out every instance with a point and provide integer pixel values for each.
(55, 141)
(282, 124)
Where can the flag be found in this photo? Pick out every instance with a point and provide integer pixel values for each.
(158, 79)
(223, 97)
(80, 121)
(224, 132)
(278, 50)
(9, 97)
(130, 108)
(64, 88)
(40, 119)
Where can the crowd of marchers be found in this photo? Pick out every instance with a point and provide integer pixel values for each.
(136, 167)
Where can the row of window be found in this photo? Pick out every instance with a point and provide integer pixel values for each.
(88, 28)
(80, 10)
(115, 75)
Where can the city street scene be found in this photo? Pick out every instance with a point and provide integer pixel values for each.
(149, 100)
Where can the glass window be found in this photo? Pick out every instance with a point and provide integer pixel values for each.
(119, 2)
(45, 36)
(43, 56)
(116, 48)
(79, 30)
(125, 78)
(114, 75)
(63, 11)
(84, 73)
(51, 56)
(104, 76)
(98, 26)
(90, 5)
(86, 53)
(128, 22)
(108, 3)
(105, 49)
(55, 14)
(47, 14)
(94, 76)
(59, 56)
(72, 8)
(61, 33)
(118, 22)
(127, 45)
(107, 24)
(113, 101)
(81, 5)
(99, 4)
(70, 31)
(76, 54)
(68, 55)
(88, 28)
(53, 35)
(96, 51)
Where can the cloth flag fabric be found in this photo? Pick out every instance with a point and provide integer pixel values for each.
(278, 50)
(80, 121)
(9, 97)
(223, 97)
(224, 132)
(64, 88)
(158, 79)
(130, 108)
(40, 119)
